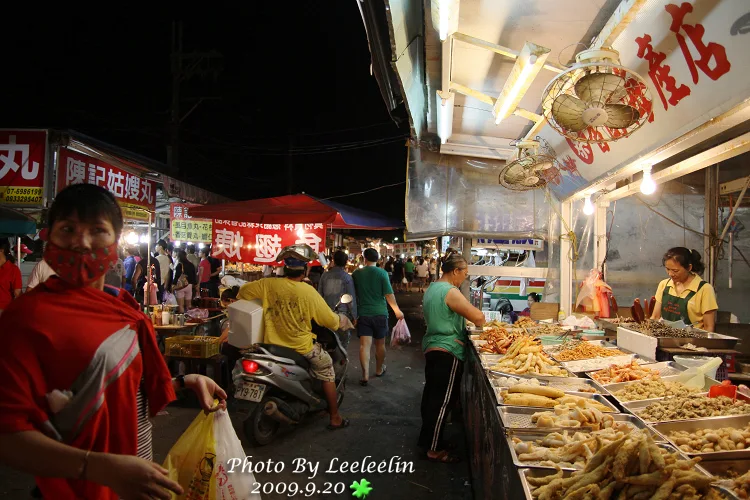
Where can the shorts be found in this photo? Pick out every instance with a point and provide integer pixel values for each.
(186, 293)
(409, 277)
(372, 326)
(321, 364)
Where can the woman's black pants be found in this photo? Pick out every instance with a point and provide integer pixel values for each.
(442, 373)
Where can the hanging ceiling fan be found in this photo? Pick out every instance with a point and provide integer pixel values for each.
(599, 96)
(527, 170)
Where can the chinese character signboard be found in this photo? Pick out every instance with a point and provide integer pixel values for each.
(405, 249)
(22, 160)
(261, 243)
(134, 194)
(692, 55)
(185, 228)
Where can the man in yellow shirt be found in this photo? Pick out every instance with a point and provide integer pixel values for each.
(289, 307)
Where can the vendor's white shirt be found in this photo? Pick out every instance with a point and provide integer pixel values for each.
(40, 274)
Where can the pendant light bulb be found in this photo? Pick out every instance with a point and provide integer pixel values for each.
(648, 186)
(588, 207)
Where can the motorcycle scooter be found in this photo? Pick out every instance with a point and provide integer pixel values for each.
(272, 382)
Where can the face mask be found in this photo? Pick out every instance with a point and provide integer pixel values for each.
(77, 268)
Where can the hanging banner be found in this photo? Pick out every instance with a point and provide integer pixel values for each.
(692, 55)
(404, 248)
(135, 195)
(261, 243)
(521, 244)
(22, 155)
(185, 228)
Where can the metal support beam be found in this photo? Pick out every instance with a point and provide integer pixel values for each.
(499, 49)
(447, 64)
(566, 265)
(600, 235)
(621, 17)
(729, 149)
(523, 113)
(711, 221)
(466, 252)
(733, 186)
(533, 131)
(480, 96)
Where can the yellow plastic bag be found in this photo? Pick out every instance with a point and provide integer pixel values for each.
(192, 459)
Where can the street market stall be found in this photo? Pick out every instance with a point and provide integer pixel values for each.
(639, 144)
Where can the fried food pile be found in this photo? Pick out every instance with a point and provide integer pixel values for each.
(564, 450)
(690, 407)
(649, 389)
(624, 373)
(655, 328)
(498, 340)
(741, 486)
(525, 356)
(629, 467)
(712, 440)
(525, 322)
(546, 397)
(584, 350)
(577, 415)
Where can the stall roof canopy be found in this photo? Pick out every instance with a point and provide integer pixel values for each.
(296, 209)
(14, 223)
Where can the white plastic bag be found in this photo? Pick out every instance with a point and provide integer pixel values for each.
(236, 484)
(170, 299)
(400, 334)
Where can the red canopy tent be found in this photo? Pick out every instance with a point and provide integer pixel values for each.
(297, 209)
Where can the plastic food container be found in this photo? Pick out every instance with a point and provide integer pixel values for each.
(551, 340)
(695, 362)
(593, 332)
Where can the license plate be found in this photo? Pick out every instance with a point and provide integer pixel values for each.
(250, 391)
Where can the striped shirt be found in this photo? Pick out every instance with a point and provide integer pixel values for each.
(145, 435)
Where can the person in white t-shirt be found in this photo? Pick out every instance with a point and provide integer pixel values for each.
(423, 272)
(165, 263)
(39, 274)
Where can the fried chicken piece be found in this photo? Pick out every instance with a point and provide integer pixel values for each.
(541, 481)
(650, 479)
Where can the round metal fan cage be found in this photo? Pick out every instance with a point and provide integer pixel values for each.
(630, 91)
(526, 172)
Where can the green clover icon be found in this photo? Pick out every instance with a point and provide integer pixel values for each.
(361, 488)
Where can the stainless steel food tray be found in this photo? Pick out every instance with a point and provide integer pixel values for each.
(665, 369)
(710, 341)
(596, 397)
(613, 388)
(518, 419)
(527, 435)
(635, 407)
(562, 383)
(541, 472)
(738, 422)
(720, 468)
(593, 364)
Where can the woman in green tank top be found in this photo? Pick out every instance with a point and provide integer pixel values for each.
(446, 311)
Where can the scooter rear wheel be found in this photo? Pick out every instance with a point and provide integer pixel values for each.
(259, 428)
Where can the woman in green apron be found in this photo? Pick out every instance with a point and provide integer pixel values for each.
(684, 295)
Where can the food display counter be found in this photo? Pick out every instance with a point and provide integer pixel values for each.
(537, 429)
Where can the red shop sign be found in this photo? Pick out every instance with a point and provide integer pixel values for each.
(22, 155)
(261, 243)
(135, 194)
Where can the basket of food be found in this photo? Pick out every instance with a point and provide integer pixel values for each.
(191, 346)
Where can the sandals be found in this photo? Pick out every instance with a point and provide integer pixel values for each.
(344, 423)
(381, 373)
(445, 457)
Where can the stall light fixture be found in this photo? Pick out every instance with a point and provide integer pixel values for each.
(446, 100)
(588, 207)
(189, 243)
(402, 256)
(144, 238)
(131, 238)
(530, 61)
(648, 186)
(201, 245)
(445, 17)
(177, 243)
(395, 239)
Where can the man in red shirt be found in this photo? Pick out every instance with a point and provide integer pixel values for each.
(10, 277)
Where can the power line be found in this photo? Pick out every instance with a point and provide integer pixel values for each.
(363, 192)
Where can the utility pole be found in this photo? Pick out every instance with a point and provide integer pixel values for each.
(185, 67)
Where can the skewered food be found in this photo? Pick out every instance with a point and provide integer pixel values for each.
(649, 389)
(690, 407)
(584, 350)
(624, 373)
(655, 328)
(565, 450)
(630, 467)
(712, 440)
(525, 356)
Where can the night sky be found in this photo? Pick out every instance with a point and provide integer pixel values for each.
(296, 74)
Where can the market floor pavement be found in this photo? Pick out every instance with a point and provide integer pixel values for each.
(385, 424)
